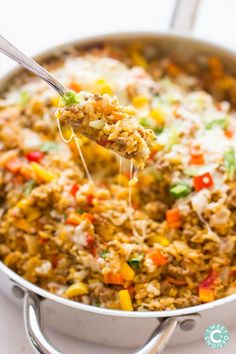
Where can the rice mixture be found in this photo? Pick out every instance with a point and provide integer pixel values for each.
(168, 244)
(102, 119)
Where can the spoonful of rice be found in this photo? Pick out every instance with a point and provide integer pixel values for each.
(98, 117)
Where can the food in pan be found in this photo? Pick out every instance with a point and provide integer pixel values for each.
(102, 119)
(88, 234)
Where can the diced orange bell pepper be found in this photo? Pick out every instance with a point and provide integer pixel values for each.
(206, 294)
(197, 157)
(74, 219)
(157, 257)
(13, 165)
(73, 85)
(88, 216)
(229, 133)
(173, 218)
(113, 278)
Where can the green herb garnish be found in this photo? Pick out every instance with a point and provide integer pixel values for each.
(135, 262)
(80, 211)
(29, 186)
(180, 190)
(223, 123)
(104, 254)
(49, 146)
(230, 163)
(144, 122)
(70, 98)
(24, 98)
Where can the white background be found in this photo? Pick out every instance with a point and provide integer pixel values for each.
(34, 25)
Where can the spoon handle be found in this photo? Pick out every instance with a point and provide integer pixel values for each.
(15, 54)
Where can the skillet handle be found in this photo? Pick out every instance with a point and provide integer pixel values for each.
(34, 325)
(160, 337)
(184, 15)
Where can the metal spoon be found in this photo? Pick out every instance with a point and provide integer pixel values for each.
(11, 51)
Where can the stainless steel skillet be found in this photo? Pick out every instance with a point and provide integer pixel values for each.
(127, 329)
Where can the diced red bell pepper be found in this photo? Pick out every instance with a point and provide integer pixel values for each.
(209, 281)
(90, 240)
(54, 260)
(35, 156)
(74, 189)
(203, 181)
(206, 288)
(90, 198)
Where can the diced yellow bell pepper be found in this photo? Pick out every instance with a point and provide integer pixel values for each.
(41, 173)
(23, 225)
(158, 239)
(125, 300)
(67, 132)
(140, 101)
(32, 214)
(126, 271)
(138, 59)
(55, 100)
(77, 289)
(158, 116)
(23, 204)
(102, 87)
(32, 244)
(206, 294)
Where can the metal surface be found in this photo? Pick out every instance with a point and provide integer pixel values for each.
(184, 15)
(160, 337)
(155, 343)
(12, 52)
(34, 325)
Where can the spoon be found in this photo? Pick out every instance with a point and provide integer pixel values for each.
(11, 51)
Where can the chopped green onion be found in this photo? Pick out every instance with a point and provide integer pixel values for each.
(104, 254)
(158, 130)
(135, 262)
(180, 190)
(70, 98)
(29, 187)
(230, 163)
(191, 172)
(173, 138)
(144, 122)
(49, 146)
(24, 98)
(223, 123)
